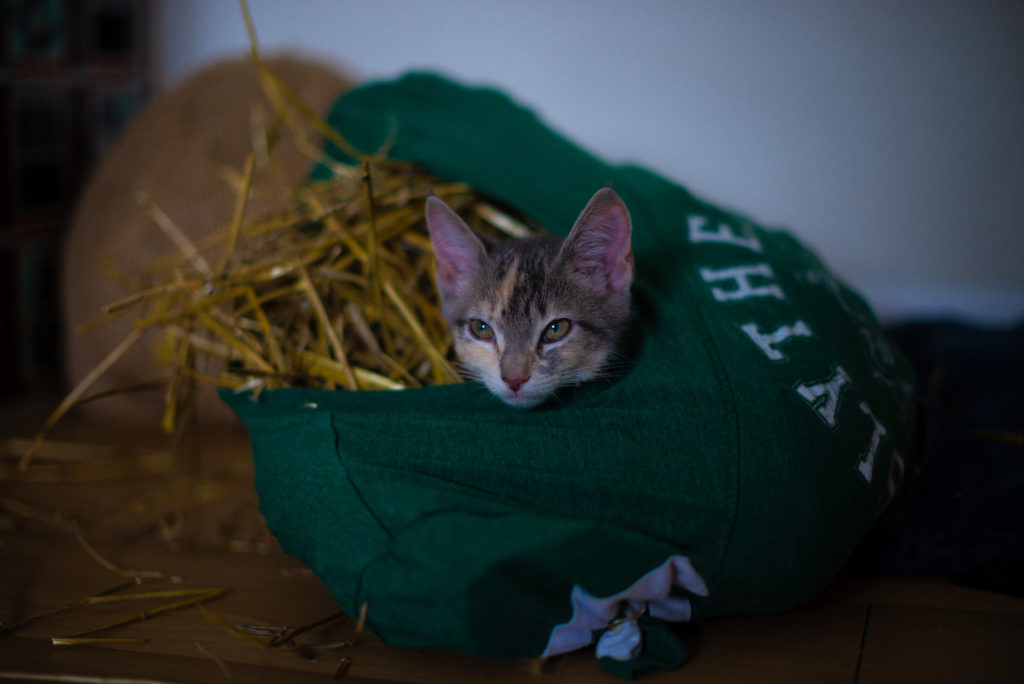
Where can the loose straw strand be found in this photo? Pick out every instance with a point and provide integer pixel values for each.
(80, 389)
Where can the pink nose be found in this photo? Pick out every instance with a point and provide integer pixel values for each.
(515, 383)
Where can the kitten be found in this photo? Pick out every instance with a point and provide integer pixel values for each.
(529, 316)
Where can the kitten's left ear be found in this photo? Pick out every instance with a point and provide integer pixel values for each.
(598, 248)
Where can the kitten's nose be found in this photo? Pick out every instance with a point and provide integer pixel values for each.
(515, 383)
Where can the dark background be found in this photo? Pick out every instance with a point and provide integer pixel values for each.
(72, 73)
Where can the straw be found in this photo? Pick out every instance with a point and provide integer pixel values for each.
(333, 291)
(83, 385)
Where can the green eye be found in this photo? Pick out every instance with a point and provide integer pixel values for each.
(556, 330)
(481, 330)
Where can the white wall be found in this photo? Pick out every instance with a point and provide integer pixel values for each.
(888, 134)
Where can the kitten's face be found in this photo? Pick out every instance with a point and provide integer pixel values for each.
(530, 316)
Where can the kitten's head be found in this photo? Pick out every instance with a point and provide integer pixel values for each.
(530, 316)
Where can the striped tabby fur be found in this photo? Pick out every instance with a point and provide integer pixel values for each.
(530, 316)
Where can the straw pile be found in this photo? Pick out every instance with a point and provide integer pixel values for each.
(335, 292)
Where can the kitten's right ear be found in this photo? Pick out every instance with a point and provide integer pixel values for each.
(458, 252)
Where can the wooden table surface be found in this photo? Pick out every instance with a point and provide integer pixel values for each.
(190, 514)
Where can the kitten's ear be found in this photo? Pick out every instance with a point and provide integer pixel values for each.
(458, 252)
(598, 248)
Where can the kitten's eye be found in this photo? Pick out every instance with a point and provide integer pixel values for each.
(481, 330)
(556, 330)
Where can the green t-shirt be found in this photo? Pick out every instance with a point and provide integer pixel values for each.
(751, 444)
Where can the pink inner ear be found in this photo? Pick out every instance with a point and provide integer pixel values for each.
(619, 265)
(456, 249)
(599, 244)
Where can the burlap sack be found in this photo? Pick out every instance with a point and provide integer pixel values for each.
(176, 152)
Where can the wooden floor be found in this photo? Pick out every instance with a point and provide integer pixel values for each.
(191, 516)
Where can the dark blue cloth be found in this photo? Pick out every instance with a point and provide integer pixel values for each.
(961, 510)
